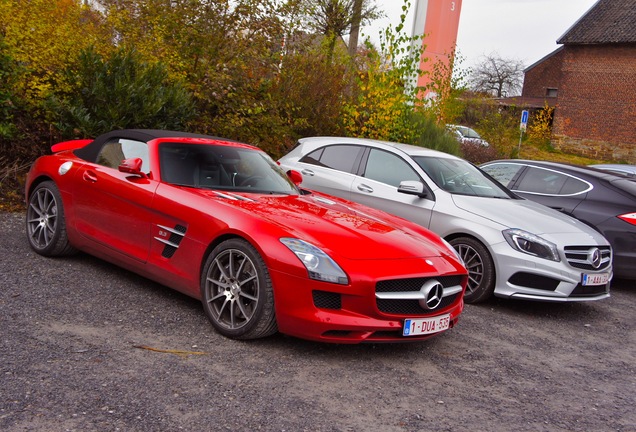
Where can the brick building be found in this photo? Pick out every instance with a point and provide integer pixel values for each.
(592, 79)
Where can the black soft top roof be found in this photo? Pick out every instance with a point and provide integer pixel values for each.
(91, 150)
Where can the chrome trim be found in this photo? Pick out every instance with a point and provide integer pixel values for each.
(172, 230)
(416, 295)
(169, 243)
(559, 299)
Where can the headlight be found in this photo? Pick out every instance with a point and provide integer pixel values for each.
(319, 265)
(531, 244)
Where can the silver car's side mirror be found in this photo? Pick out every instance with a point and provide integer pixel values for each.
(411, 187)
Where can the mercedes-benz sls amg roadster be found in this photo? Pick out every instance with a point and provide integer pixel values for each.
(220, 221)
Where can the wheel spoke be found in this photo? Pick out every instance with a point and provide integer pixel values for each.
(243, 294)
(42, 218)
(232, 289)
(221, 268)
(36, 210)
(241, 307)
(249, 279)
(474, 265)
(218, 282)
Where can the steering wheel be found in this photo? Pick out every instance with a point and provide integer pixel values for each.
(251, 180)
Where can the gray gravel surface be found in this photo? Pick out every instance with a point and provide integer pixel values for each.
(86, 346)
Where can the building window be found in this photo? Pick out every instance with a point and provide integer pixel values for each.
(551, 92)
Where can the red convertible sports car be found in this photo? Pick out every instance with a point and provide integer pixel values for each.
(220, 221)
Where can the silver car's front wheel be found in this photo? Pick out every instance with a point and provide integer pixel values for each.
(480, 266)
(237, 291)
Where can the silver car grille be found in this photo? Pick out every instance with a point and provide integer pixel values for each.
(591, 258)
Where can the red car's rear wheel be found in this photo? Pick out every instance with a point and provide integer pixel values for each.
(45, 224)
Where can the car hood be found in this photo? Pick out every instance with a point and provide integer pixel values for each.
(524, 214)
(344, 228)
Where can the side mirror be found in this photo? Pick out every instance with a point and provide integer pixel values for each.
(295, 177)
(411, 187)
(132, 166)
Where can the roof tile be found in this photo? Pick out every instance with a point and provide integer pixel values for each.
(608, 21)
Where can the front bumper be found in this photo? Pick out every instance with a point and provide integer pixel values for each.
(352, 313)
(522, 276)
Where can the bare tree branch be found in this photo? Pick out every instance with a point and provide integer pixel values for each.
(498, 76)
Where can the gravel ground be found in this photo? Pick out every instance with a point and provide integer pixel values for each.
(86, 346)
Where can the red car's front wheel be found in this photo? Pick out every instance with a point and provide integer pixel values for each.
(236, 291)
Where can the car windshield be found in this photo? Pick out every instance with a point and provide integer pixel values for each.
(458, 176)
(468, 132)
(235, 168)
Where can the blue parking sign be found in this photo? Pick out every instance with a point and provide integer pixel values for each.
(524, 120)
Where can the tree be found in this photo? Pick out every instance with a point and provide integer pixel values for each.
(45, 45)
(7, 105)
(386, 94)
(355, 27)
(448, 83)
(336, 18)
(498, 76)
(117, 93)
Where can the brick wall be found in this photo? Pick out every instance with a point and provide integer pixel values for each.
(544, 74)
(596, 108)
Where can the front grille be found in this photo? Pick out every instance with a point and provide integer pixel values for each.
(579, 257)
(534, 281)
(327, 300)
(588, 291)
(411, 306)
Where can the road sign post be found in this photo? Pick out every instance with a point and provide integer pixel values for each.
(522, 126)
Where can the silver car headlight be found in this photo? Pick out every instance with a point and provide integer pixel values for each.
(531, 244)
(319, 265)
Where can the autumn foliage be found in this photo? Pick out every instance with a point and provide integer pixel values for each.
(249, 70)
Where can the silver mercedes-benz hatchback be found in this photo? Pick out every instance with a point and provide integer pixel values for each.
(512, 247)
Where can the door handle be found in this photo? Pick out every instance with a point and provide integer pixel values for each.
(307, 172)
(89, 176)
(365, 188)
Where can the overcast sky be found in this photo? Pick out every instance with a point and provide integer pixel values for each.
(526, 30)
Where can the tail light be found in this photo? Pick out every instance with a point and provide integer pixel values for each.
(629, 218)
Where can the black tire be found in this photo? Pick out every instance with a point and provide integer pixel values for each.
(236, 291)
(480, 266)
(45, 222)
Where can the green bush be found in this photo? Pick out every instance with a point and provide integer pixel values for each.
(433, 136)
(118, 93)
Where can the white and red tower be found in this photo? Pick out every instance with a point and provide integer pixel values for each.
(438, 20)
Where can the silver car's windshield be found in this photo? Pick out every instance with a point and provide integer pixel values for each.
(460, 177)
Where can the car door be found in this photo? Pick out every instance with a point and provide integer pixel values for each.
(112, 208)
(377, 186)
(330, 169)
(552, 188)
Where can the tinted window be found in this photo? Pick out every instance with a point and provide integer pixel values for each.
(338, 157)
(460, 177)
(388, 168)
(503, 173)
(548, 182)
(222, 167)
(573, 186)
(114, 152)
